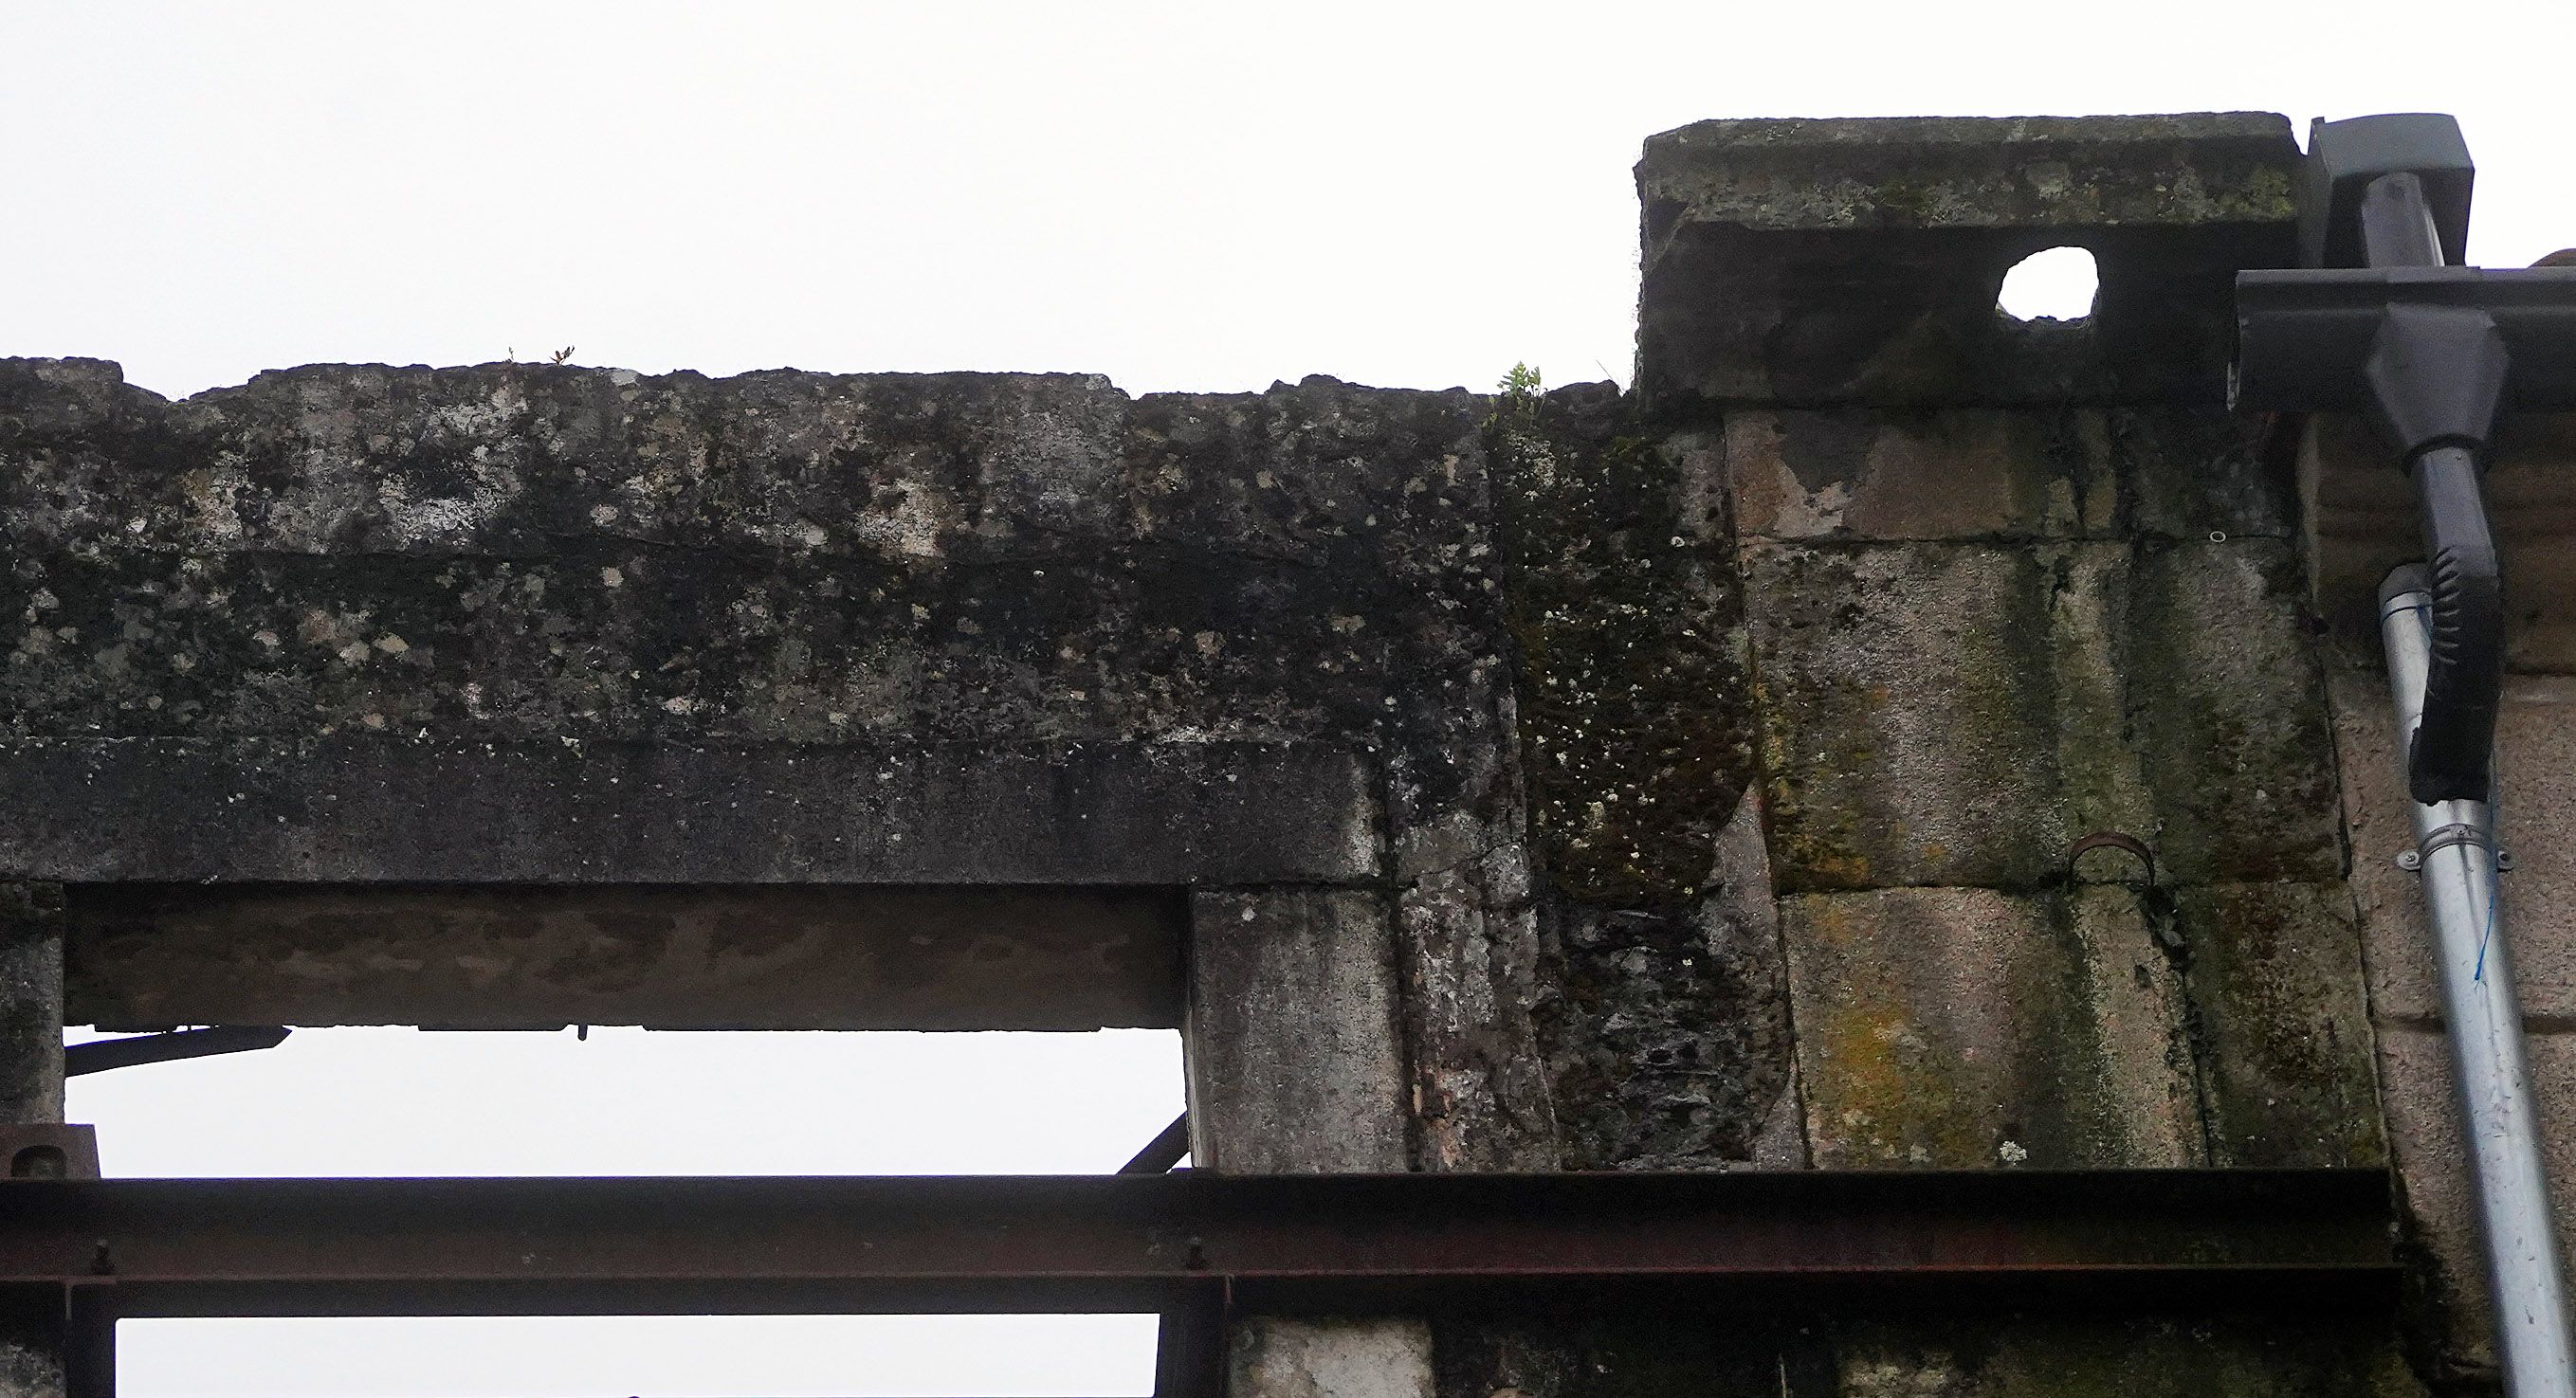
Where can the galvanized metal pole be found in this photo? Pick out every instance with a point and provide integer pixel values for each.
(2455, 854)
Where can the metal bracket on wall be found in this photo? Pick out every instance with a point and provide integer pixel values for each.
(133, 1051)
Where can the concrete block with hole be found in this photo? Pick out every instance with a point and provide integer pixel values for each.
(1822, 261)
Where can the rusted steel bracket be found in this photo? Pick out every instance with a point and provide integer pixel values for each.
(1200, 1247)
(1340, 1243)
(133, 1051)
(1163, 1152)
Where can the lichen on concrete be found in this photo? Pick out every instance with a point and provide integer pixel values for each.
(776, 556)
(1623, 605)
(1661, 1005)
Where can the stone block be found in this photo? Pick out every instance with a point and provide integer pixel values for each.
(1910, 730)
(2161, 472)
(1297, 1065)
(1857, 473)
(1809, 263)
(31, 1093)
(1965, 1027)
(1960, 713)
(2536, 822)
(1625, 614)
(2196, 472)
(1296, 1061)
(2285, 1045)
(2227, 709)
(1468, 931)
(2432, 1156)
(31, 1005)
(1632, 1354)
(1668, 1032)
(1280, 1358)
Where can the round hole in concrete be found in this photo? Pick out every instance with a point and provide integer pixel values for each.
(2051, 284)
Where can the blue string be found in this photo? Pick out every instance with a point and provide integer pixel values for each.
(2480, 974)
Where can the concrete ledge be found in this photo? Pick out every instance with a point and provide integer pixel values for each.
(453, 811)
(1974, 172)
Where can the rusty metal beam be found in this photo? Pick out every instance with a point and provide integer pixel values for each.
(1168, 1242)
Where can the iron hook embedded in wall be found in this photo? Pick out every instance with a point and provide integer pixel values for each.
(2113, 839)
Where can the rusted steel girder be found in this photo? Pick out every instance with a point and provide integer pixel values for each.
(1163, 1243)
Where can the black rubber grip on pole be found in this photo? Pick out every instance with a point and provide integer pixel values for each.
(2463, 686)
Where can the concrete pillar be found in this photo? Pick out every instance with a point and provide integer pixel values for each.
(31, 1090)
(1297, 1066)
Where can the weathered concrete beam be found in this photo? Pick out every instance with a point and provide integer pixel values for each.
(358, 809)
(766, 956)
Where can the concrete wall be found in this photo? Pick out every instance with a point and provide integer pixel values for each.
(1694, 779)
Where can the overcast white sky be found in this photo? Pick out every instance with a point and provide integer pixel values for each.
(399, 1101)
(1186, 196)
(1200, 196)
